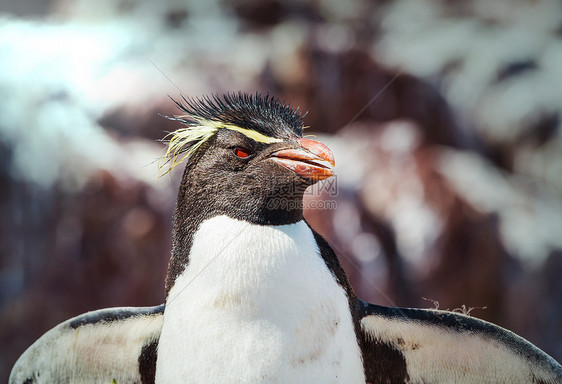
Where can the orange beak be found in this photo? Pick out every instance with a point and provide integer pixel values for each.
(313, 160)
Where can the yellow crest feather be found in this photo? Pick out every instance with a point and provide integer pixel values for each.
(185, 141)
(254, 135)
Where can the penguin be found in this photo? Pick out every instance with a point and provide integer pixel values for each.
(255, 295)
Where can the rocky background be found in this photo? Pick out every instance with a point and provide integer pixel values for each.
(444, 117)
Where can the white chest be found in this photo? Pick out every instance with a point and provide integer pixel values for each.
(257, 304)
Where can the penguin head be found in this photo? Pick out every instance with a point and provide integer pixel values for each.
(246, 158)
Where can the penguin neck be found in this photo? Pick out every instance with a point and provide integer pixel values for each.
(199, 200)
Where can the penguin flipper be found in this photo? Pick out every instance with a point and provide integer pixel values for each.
(430, 346)
(115, 345)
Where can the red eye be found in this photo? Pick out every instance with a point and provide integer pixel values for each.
(241, 152)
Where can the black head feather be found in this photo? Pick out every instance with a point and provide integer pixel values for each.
(272, 120)
(262, 113)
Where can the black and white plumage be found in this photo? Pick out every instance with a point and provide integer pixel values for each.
(254, 295)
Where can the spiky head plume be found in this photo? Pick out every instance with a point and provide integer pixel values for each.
(264, 119)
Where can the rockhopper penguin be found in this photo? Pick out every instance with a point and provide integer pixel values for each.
(254, 295)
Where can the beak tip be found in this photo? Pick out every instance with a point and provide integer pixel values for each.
(318, 149)
(313, 160)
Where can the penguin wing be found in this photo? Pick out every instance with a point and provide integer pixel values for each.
(429, 346)
(116, 345)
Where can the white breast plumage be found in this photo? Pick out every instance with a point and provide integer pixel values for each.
(257, 304)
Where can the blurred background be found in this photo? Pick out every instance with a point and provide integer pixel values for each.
(444, 117)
